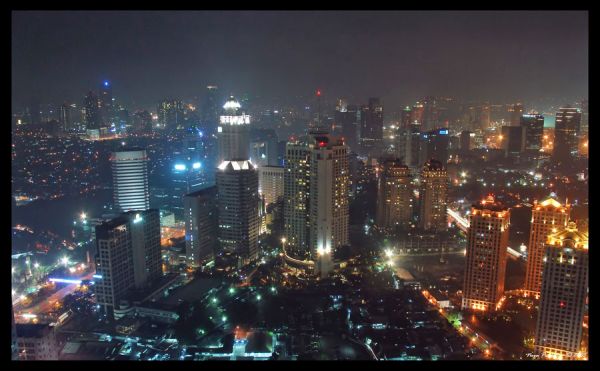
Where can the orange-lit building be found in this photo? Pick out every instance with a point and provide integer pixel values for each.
(547, 217)
(559, 328)
(487, 240)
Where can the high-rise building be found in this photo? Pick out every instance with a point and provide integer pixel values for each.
(105, 104)
(548, 216)
(487, 240)
(405, 116)
(584, 116)
(466, 141)
(201, 225)
(371, 125)
(516, 111)
(534, 131)
(513, 140)
(233, 133)
(210, 111)
(413, 145)
(65, 118)
(263, 147)
(430, 114)
(145, 244)
(270, 183)
(130, 179)
(187, 175)
(433, 196)
(237, 186)
(114, 263)
(434, 145)
(566, 133)
(395, 196)
(418, 110)
(346, 116)
(142, 121)
(171, 114)
(563, 296)
(316, 189)
(37, 342)
(93, 119)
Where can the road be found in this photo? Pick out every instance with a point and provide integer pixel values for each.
(46, 305)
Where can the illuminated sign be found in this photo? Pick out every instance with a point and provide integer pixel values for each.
(235, 120)
(445, 132)
(180, 167)
(196, 165)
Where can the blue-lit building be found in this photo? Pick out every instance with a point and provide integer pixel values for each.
(434, 145)
(187, 175)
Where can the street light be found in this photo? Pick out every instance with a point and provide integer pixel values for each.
(36, 265)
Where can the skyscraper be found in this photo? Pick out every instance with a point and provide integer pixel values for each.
(145, 244)
(201, 225)
(434, 145)
(433, 194)
(405, 116)
(430, 114)
(233, 133)
(516, 111)
(263, 147)
(487, 240)
(346, 116)
(534, 131)
(209, 111)
(566, 132)
(563, 296)
(270, 183)
(130, 179)
(513, 142)
(316, 186)
(548, 216)
(65, 118)
(93, 119)
(237, 185)
(371, 125)
(584, 116)
(105, 104)
(395, 196)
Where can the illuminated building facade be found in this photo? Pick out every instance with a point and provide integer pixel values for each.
(433, 197)
(187, 176)
(316, 188)
(106, 106)
(130, 179)
(566, 133)
(92, 112)
(347, 116)
(233, 133)
(434, 145)
(37, 342)
(563, 295)
(210, 111)
(270, 183)
(170, 114)
(547, 217)
(145, 246)
(534, 131)
(201, 225)
(516, 111)
(487, 240)
(395, 196)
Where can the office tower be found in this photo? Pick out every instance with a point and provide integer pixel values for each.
(566, 133)
(433, 195)
(270, 183)
(413, 146)
(513, 140)
(105, 104)
(93, 120)
(233, 133)
(130, 179)
(170, 114)
(371, 125)
(584, 116)
(37, 342)
(466, 141)
(210, 111)
(405, 116)
(563, 296)
(430, 114)
(122, 119)
(65, 119)
(547, 217)
(516, 111)
(201, 225)
(434, 145)
(237, 185)
(487, 240)
(145, 246)
(346, 116)
(263, 147)
(187, 176)
(114, 263)
(316, 186)
(534, 131)
(484, 116)
(394, 203)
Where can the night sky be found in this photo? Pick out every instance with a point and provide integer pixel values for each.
(399, 56)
